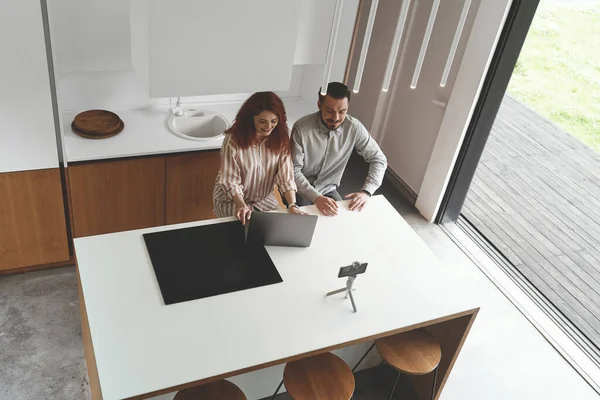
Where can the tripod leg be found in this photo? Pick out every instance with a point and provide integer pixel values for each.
(336, 292)
(363, 357)
(352, 300)
(277, 390)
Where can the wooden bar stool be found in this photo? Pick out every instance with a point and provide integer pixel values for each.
(321, 377)
(415, 352)
(219, 390)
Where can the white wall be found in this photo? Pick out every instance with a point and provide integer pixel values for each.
(27, 134)
(313, 73)
(91, 35)
(473, 69)
(405, 121)
(115, 88)
(311, 82)
(203, 47)
(127, 89)
(316, 17)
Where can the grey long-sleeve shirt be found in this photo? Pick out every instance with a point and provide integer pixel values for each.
(320, 155)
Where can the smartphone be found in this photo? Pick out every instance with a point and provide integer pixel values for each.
(354, 269)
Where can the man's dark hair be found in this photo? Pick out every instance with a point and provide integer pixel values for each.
(337, 90)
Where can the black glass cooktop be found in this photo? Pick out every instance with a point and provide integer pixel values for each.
(209, 260)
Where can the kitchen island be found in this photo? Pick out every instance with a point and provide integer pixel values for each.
(138, 347)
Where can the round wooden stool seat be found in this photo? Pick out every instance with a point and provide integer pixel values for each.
(321, 377)
(219, 390)
(416, 352)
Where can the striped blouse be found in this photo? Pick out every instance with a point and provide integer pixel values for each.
(253, 173)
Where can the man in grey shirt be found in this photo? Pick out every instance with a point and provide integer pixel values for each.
(322, 143)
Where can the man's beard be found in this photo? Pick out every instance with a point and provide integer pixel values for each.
(328, 124)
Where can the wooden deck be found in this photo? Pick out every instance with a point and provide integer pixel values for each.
(536, 196)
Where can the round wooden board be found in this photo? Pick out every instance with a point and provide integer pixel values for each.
(96, 122)
(97, 136)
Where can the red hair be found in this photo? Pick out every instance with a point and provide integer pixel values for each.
(244, 132)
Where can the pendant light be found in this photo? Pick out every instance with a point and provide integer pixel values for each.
(395, 45)
(365, 46)
(454, 46)
(425, 44)
(337, 15)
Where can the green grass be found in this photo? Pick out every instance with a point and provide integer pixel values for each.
(558, 72)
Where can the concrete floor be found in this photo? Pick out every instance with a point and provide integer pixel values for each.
(41, 351)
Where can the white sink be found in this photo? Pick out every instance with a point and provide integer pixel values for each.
(197, 124)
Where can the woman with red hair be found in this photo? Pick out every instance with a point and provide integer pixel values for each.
(255, 156)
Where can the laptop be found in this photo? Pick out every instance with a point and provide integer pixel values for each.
(281, 229)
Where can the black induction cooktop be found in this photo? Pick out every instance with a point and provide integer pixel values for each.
(209, 260)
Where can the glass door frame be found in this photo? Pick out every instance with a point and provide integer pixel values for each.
(510, 43)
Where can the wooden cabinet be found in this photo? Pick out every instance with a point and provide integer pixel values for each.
(112, 196)
(190, 181)
(118, 195)
(33, 229)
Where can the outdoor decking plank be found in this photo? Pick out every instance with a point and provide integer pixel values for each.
(536, 226)
(492, 232)
(555, 225)
(552, 276)
(512, 220)
(554, 202)
(540, 201)
(536, 196)
(558, 299)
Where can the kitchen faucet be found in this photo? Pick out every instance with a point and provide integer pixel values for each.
(178, 109)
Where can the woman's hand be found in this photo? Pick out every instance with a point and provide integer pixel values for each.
(243, 213)
(296, 210)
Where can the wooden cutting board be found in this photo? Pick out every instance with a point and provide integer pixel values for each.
(97, 124)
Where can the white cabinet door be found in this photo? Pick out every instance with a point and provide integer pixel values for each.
(203, 47)
(27, 135)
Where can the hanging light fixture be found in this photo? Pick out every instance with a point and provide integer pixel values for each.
(425, 44)
(454, 46)
(411, 21)
(365, 46)
(337, 15)
(395, 45)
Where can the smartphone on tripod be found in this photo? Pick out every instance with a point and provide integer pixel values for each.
(351, 270)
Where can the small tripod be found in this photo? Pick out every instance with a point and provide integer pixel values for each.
(348, 289)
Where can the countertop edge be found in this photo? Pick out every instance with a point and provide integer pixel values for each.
(143, 154)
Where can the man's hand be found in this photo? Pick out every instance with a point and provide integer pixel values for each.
(358, 202)
(243, 213)
(326, 205)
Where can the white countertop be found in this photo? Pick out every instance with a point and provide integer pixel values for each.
(142, 346)
(146, 132)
